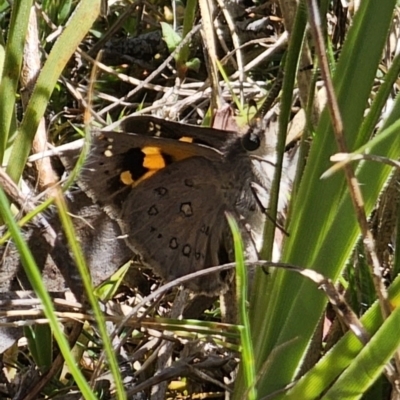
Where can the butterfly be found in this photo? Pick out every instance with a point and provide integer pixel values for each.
(168, 185)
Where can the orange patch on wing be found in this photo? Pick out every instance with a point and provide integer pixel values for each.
(145, 176)
(148, 150)
(126, 178)
(153, 159)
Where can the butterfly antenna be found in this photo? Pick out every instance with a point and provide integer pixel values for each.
(264, 211)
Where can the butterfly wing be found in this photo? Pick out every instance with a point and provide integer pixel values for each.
(119, 161)
(175, 220)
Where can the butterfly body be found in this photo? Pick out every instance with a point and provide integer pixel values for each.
(174, 216)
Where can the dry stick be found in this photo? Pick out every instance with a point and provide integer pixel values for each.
(344, 158)
(236, 44)
(323, 283)
(220, 33)
(343, 310)
(280, 44)
(128, 79)
(267, 43)
(207, 32)
(353, 184)
(57, 151)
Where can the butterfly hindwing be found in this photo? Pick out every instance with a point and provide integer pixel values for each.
(171, 220)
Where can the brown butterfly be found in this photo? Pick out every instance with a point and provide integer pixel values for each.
(168, 185)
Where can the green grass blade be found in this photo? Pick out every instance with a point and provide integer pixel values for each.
(188, 23)
(12, 67)
(381, 96)
(76, 29)
(247, 362)
(40, 343)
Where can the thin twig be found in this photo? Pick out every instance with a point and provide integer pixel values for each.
(236, 44)
(341, 159)
(263, 57)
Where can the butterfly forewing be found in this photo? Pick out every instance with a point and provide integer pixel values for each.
(157, 127)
